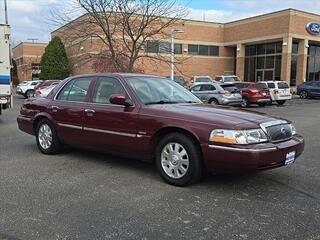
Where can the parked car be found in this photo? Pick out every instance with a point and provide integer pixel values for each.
(254, 93)
(279, 91)
(213, 93)
(26, 88)
(43, 92)
(227, 78)
(309, 89)
(198, 79)
(179, 79)
(155, 119)
(46, 83)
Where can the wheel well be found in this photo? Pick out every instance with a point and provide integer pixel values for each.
(36, 120)
(161, 133)
(212, 99)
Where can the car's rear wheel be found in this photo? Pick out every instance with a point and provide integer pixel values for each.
(46, 137)
(29, 94)
(245, 102)
(178, 159)
(214, 101)
(281, 102)
(304, 94)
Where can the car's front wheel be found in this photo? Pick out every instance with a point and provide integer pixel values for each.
(245, 102)
(46, 137)
(178, 159)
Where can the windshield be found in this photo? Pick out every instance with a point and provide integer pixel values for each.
(231, 79)
(153, 90)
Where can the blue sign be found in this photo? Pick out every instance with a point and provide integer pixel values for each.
(4, 79)
(313, 28)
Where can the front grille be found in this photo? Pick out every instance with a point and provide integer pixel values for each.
(280, 132)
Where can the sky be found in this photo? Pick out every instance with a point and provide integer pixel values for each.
(31, 18)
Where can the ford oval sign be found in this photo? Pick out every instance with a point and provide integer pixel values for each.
(313, 28)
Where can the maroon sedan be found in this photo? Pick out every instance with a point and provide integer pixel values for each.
(155, 119)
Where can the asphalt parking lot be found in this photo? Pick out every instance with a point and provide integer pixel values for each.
(84, 195)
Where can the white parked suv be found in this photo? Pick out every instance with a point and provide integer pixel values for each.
(279, 91)
(26, 88)
(227, 78)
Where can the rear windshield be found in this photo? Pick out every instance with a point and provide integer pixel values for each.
(241, 85)
(271, 85)
(230, 88)
(261, 86)
(283, 85)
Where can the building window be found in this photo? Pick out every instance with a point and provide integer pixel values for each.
(203, 50)
(313, 71)
(263, 62)
(294, 63)
(162, 47)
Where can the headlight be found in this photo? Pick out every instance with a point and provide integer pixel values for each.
(238, 136)
(293, 130)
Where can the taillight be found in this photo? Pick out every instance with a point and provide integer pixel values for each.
(223, 92)
(254, 90)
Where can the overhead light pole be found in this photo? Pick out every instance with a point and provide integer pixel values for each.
(173, 31)
(6, 12)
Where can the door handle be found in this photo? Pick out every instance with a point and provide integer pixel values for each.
(54, 108)
(91, 111)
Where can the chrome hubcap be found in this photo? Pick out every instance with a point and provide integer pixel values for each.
(45, 136)
(303, 95)
(174, 160)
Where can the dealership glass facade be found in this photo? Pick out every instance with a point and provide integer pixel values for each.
(263, 62)
(313, 67)
(294, 64)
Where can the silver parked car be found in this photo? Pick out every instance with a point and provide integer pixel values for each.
(213, 93)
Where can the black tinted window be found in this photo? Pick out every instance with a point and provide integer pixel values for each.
(261, 85)
(282, 85)
(105, 87)
(207, 87)
(271, 85)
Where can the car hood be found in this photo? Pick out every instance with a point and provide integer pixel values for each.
(217, 115)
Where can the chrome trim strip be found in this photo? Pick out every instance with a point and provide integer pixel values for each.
(70, 126)
(110, 132)
(272, 123)
(25, 118)
(243, 149)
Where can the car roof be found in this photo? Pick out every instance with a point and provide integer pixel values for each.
(123, 75)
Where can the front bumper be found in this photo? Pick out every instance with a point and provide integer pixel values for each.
(240, 159)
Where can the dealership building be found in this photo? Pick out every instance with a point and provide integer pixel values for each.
(283, 45)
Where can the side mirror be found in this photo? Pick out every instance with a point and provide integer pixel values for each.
(120, 100)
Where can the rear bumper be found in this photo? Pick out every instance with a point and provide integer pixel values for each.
(277, 98)
(226, 101)
(232, 159)
(25, 124)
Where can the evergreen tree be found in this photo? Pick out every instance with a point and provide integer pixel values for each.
(54, 62)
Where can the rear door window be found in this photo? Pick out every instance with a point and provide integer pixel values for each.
(76, 90)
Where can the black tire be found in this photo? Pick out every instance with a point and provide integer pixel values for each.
(262, 104)
(214, 101)
(56, 145)
(304, 94)
(29, 94)
(281, 102)
(245, 102)
(194, 171)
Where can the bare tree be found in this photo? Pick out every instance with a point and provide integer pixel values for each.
(122, 28)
